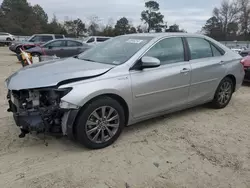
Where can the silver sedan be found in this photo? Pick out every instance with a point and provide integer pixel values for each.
(127, 79)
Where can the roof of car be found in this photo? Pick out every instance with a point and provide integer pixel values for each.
(66, 39)
(47, 34)
(166, 34)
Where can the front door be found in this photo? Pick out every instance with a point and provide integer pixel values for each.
(165, 87)
(207, 62)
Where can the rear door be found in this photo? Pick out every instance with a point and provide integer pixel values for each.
(207, 65)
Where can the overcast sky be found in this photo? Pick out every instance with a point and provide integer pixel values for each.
(189, 14)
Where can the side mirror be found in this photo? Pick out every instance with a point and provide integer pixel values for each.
(150, 62)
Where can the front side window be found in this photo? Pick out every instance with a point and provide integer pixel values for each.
(168, 51)
(199, 48)
(91, 40)
(35, 39)
(46, 38)
(116, 50)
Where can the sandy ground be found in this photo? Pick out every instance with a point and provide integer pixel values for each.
(199, 147)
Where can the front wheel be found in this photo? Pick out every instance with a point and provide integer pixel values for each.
(223, 93)
(100, 123)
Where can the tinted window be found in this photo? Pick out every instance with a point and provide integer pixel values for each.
(60, 43)
(216, 52)
(199, 48)
(73, 43)
(101, 39)
(46, 38)
(59, 36)
(4, 34)
(168, 51)
(91, 40)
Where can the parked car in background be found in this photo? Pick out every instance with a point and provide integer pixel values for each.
(6, 37)
(60, 48)
(127, 79)
(246, 63)
(245, 52)
(238, 50)
(34, 40)
(93, 40)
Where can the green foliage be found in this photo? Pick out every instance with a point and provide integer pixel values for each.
(122, 26)
(152, 17)
(20, 18)
(75, 27)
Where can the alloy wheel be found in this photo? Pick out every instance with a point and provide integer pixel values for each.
(102, 124)
(224, 93)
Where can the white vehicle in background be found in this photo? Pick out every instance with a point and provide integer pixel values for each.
(6, 37)
(238, 50)
(93, 40)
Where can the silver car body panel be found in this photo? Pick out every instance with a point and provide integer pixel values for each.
(149, 92)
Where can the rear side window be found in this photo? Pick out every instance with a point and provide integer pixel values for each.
(168, 51)
(73, 43)
(216, 52)
(46, 38)
(101, 39)
(199, 48)
(59, 37)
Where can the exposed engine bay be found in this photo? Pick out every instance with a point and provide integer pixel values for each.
(37, 110)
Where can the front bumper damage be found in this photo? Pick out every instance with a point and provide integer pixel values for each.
(42, 111)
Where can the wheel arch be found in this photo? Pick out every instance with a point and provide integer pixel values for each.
(116, 97)
(232, 77)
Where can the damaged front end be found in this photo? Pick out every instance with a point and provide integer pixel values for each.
(41, 110)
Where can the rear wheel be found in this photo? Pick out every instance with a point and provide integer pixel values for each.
(100, 123)
(223, 93)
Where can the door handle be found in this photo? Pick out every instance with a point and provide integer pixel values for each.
(221, 62)
(185, 70)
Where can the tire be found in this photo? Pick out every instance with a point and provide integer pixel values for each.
(223, 93)
(87, 121)
(8, 39)
(36, 54)
(18, 51)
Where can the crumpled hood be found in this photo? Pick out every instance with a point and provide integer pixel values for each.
(50, 73)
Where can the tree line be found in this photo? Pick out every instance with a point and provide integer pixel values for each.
(19, 17)
(230, 21)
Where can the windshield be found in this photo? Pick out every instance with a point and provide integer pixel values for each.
(85, 39)
(116, 50)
